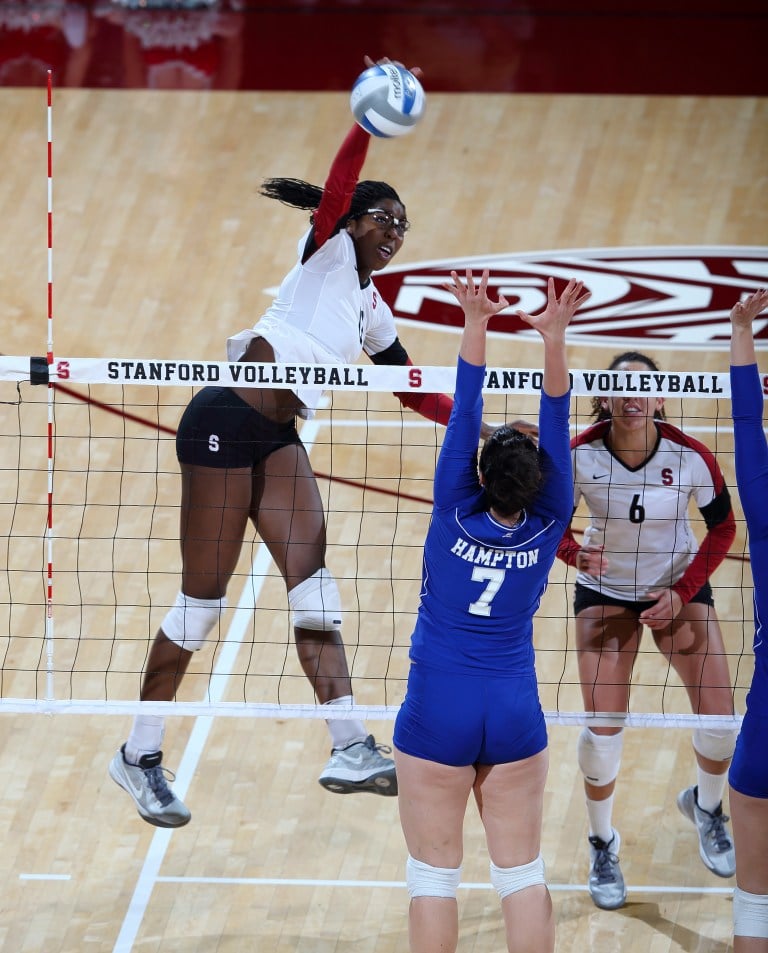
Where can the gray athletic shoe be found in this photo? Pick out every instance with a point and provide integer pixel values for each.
(360, 767)
(146, 784)
(715, 846)
(606, 881)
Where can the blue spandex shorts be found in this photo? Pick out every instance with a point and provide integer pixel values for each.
(748, 773)
(459, 719)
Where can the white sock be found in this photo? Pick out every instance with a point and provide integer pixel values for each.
(344, 731)
(146, 737)
(710, 789)
(600, 814)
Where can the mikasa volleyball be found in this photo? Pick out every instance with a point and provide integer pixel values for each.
(387, 100)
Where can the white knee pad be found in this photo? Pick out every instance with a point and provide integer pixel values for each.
(750, 914)
(316, 603)
(507, 880)
(599, 756)
(190, 621)
(425, 881)
(715, 745)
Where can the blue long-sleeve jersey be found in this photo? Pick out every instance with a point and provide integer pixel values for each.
(482, 581)
(752, 480)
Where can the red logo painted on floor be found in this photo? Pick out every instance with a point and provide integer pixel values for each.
(667, 297)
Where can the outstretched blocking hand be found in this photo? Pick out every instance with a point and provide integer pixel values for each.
(743, 314)
(551, 325)
(478, 310)
(474, 300)
(557, 314)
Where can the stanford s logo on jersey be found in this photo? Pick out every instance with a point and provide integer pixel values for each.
(677, 297)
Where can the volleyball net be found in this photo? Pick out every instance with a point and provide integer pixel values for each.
(89, 517)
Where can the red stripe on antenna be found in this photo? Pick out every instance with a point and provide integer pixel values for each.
(51, 395)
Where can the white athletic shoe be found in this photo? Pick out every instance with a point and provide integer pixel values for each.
(715, 846)
(606, 881)
(146, 784)
(360, 767)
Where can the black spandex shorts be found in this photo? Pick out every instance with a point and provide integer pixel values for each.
(584, 597)
(219, 429)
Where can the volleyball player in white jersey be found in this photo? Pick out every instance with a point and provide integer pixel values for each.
(471, 721)
(640, 565)
(241, 458)
(748, 776)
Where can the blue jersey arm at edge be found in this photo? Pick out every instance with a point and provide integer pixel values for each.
(456, 472)
(556, 496)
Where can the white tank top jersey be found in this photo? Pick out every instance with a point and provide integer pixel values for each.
(640, 516)
(321, 315)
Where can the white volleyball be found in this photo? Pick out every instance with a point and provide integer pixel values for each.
(387, 100)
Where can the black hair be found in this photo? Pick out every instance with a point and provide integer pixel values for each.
(511, 469)
(599, 412)
(300, 194)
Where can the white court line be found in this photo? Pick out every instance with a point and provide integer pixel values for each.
(45, 876)
(368, 884)
(246, 605)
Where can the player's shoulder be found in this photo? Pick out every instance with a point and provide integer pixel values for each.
(336, 251)
(689, 451)
(594, 434)
(678, 438)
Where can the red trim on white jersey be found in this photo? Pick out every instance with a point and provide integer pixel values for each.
(640, 515)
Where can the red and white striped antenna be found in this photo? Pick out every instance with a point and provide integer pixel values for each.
(49, 531)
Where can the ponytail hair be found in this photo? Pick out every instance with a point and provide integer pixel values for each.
(300, 194)
(293, 192)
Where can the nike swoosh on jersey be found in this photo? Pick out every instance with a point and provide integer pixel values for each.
(600, 476)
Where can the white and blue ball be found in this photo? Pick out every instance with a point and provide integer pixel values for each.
(387, 100)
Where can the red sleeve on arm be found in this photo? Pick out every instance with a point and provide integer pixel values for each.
(568, 548)
(341, 181)
(435, 407)
(714, 549)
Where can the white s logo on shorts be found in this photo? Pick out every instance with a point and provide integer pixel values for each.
(213, 443)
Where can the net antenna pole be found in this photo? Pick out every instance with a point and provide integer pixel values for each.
(49, 639)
